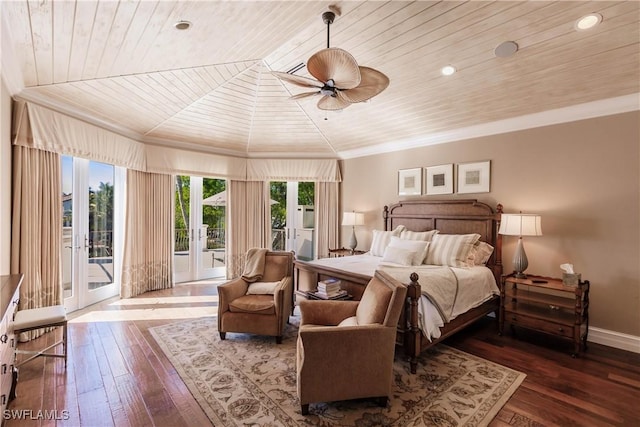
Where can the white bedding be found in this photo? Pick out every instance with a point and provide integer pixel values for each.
(475, 285)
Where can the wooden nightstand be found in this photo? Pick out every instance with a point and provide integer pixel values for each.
(546, 305)
(334, 253)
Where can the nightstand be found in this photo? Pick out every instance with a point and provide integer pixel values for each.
(335, 253)
(546, 305)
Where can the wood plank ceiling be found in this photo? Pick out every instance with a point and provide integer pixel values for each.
(124, 65)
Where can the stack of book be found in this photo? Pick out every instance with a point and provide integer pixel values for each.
(330, 289)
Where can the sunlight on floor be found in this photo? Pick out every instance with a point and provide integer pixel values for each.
(146, 314)
(166, 300)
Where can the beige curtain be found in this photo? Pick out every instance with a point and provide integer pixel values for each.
(36, 239)
(327, 217)
(148, 234)
(249, 221)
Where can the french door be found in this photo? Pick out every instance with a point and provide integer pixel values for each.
(293, 218)
(199, 228)
(92, 193)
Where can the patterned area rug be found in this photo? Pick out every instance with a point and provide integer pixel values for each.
(249, 380)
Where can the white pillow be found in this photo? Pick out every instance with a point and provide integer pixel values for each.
(398, 255)
(262, 288)
(381, 240)
(418, 235)
(451, 249)
(418, 247)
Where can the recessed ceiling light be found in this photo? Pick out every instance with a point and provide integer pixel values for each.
(506, 49)
(588, 21)
(448, 70)
(182, 25)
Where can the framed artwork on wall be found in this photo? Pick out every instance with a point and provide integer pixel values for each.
(474, 177)
(410, 182)
(439, 179)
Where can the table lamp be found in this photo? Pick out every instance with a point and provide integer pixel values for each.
(353, 219)
(520, 225)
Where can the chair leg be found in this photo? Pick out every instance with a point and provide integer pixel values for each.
(304, 409)
(279, 339)
(382, 401)
(223, 335)
(65, 349)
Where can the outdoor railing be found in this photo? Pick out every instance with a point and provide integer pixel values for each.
(216, 239)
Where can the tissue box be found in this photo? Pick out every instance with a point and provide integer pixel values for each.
(571, 279)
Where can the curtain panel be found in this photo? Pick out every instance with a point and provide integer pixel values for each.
(36, 240)
(327, 218)
(249, 222)
(148, 235)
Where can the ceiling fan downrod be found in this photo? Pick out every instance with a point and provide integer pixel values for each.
(328, 18)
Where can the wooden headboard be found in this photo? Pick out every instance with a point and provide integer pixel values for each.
(451, 217)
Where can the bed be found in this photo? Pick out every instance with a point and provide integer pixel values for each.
(448, 217)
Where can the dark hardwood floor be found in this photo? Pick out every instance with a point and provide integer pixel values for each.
(117, 375)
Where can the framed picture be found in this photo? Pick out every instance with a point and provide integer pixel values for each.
(439, 179)
(410, 182)
(474, 177)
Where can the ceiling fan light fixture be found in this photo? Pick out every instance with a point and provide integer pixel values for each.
(337, 77)
(182, 25)
(448, 70)
(588, 21)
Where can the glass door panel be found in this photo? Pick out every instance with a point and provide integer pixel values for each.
(89, 200)
(293, 217)
(200, 228)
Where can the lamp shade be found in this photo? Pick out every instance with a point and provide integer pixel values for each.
(352, 218)
(520, 225)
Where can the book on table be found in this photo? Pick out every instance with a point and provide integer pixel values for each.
(330, 289)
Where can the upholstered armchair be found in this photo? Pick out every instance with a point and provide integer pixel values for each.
(259, 306)
(345, 349)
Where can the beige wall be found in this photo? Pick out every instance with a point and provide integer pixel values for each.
(582, 177)
(5, 179)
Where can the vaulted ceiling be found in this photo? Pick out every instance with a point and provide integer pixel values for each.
(124, 66)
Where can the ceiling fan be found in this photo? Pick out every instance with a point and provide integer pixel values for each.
(339, 78)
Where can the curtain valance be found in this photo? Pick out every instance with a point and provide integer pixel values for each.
(325, 170)
(39, 127)
(45, 129)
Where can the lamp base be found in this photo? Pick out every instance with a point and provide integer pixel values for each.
(353, 242)
(520, 261)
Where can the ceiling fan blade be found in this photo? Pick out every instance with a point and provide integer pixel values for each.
(337, 65)
(297, 80)
(373, 82)
(333, 102)
(304, 95)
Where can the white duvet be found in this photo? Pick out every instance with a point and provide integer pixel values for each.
(475, 285)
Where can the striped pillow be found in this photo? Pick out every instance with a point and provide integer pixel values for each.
(451, 249)
(427, 236)
(381, 240)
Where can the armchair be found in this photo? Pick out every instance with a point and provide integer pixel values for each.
(261, 307)
(345, 349)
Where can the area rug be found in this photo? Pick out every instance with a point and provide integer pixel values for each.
(249, 380)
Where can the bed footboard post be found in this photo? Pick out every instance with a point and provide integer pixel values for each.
(412, 338)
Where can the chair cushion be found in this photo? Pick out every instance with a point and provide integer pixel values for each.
(36, 317)
(374, 303)
(349, 321)
(257, 304)
(262, 288)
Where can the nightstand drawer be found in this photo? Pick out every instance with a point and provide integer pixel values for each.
(540, 325)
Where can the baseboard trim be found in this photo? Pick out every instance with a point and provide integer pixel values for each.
(614, 339)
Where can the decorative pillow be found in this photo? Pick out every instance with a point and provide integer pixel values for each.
(398, 255)
(418, 235)
(451, 249)
(480, 253)
(349, 321)
(418, 247)
(381, 240)
(262, 288)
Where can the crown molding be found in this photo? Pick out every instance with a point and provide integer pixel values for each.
(589, 110)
